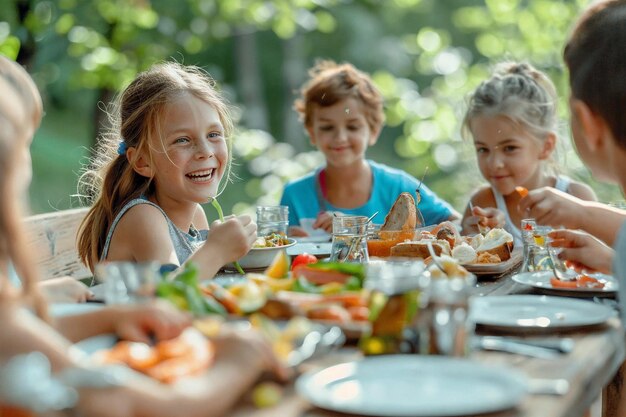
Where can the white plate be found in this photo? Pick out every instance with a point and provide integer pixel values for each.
(261, 257)
(411, 385)
(537, 312)
(541, 279)
(317, 249)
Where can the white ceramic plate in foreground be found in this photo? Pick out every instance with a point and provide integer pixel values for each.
(412, 385)
(541, 280)
(537, 312)
(261, 257)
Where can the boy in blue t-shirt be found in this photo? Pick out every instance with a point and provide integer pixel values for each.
(343, 114)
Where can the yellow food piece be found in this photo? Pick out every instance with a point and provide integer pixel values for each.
(279, 267)
(250, 296)
(273, 284)
(331, 288)
(267, 394)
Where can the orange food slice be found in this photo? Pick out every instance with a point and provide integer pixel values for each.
(522, 191)
(557, 283)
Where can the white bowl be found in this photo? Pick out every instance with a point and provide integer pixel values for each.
(261, 257)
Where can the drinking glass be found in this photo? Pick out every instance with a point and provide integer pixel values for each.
(272, 219)
(128, 282)
(444, 327)
(349, 239)
(399, 290)
(536, 254)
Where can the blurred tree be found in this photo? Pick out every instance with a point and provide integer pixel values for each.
(425, 56)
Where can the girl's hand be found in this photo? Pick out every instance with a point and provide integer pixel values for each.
(552, 207)
(324, 221)
(249, 350)
(583, 250)
(138, 322)
(65, 290)
(234, 237)
(487, 217)
(297, 231)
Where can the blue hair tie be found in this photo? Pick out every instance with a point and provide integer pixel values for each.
(121, 148)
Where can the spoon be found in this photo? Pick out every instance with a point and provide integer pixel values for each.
(432, 255)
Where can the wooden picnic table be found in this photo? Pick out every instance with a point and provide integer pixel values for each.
(589, 369)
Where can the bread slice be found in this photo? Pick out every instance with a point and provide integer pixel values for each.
(497, 242)
(402, 215)
(419, 249)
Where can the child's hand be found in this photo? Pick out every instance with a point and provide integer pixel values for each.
(297, 231)
(583, 250)
(233, 237)
(552, 207)
(249, 350)
(138, 322)
(324, 221)
(65, 290)
(489, 217)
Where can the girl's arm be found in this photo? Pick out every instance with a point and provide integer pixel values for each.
(130, 322)
(558, 209)
(240, 359)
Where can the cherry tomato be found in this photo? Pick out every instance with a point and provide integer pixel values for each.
(303, 259)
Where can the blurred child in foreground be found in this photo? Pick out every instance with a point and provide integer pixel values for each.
(26, 328)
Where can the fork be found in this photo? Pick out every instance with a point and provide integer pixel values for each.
(560, 270)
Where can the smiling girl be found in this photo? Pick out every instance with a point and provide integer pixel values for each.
(343, 115)
(512, 120)
(167, 154)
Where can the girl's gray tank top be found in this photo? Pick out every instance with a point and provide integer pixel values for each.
(185, 244)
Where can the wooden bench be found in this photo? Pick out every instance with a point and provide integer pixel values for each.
(52, 238)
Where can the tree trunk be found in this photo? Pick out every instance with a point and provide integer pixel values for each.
(249, 79)
(294, 72)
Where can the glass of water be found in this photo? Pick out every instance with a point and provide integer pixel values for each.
(272, 219)
(128, 282)
(349, 239)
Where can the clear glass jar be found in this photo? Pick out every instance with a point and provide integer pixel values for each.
(272, 219)
(349, 239)
(535, 239)
(399, 290)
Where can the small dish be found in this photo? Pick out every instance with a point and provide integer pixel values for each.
(261, 257)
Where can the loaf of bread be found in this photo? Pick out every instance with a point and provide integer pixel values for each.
(402, 215)
(419, 249)
(497, 242)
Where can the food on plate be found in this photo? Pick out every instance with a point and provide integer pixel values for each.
(419, 249)
(447, 231)
(168, 360)
(464, 253)
(522, 191)
(581, 281)
(279, 267)
(271, 241)
(303, 259)
(451, 269)
(402, 216)
(183, 291)
(487, 258)
(497, 242)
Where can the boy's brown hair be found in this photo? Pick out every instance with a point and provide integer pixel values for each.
(596, 59)
(330, 83)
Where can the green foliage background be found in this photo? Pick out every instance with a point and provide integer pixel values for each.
(425, 56)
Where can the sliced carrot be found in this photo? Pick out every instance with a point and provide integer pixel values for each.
(557, 283)
(522, 191)
(586, 281)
